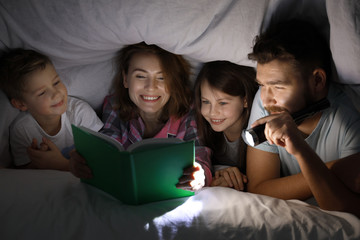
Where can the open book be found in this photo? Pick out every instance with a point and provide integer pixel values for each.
(145, 172)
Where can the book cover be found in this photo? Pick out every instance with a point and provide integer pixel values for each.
(147, 173)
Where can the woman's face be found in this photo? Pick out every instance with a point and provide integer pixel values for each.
(145, 81)
(222, 111)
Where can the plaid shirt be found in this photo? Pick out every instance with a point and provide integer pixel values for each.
(132, 131)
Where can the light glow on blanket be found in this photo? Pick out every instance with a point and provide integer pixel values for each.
(180, 217)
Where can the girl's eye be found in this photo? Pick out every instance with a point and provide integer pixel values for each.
(42, 93)
(56, 83)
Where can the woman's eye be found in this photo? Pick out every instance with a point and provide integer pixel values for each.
(160, 78)
(140, 76)
(205, 102)
(222, 103)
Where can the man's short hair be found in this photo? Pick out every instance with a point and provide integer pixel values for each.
(297, 42)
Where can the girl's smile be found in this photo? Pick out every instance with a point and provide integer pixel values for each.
(222, 111)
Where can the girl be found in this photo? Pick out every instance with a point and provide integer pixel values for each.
(152, 99)
(224, 93)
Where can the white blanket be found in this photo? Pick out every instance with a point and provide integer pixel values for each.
(46, 204)
(82, 37)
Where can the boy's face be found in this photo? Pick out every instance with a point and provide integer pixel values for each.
(282, 88)
(45, 95)
(146, 84)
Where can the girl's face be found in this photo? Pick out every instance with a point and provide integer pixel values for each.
(45, 95)
(222, 111)
(146, 83)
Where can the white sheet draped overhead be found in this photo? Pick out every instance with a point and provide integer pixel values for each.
(82, 37)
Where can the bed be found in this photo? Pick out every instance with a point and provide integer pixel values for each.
(81, 37)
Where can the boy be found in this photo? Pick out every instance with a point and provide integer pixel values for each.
(33, 86)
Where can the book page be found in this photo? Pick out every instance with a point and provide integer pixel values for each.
(105, 137)
(151, 143)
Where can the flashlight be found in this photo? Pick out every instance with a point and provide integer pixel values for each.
(254, 136)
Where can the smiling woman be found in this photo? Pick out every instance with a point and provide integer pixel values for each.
(147, 87)
(152, 99)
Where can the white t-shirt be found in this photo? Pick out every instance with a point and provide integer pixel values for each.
(25, 128)
(337, 134)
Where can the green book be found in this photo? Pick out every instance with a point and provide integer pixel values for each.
(146, 172)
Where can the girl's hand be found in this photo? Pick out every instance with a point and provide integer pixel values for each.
(230, 177)
(192, 179)
(78, 166)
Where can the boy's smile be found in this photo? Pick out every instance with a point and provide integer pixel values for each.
(45, 96)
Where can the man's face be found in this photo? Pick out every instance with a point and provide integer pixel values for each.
(282, 88)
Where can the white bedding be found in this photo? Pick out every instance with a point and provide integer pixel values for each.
(46, 204)
(81, 37)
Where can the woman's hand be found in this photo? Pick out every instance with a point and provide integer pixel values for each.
(193, 178)
(78, 166)
(230, 177)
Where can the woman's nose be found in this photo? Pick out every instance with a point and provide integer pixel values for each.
(151, 83)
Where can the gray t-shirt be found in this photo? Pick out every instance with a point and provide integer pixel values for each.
(232, 155)
(337, 134)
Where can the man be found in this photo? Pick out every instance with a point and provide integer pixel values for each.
(319, 157)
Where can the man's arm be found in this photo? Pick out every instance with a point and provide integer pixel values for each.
(263, 172)
(330, 191)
